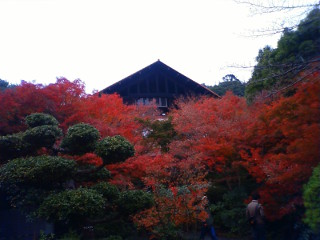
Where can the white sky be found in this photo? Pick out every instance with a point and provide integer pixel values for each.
(102, 41)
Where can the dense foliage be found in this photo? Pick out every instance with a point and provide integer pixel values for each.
(71, 205)
(71, 189)
(223, 148)
(40, 119)
(43, 131)
(5, 85)
(91, 162)
(158, 133)
(12, 146)
(297, 50)
(80, 138)
(230, 83)
(311, 199)
(69, 104)
(41, 171)
(114, 149)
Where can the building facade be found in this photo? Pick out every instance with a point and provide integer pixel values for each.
(157, 82)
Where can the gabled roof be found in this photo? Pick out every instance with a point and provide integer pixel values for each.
(156, 66)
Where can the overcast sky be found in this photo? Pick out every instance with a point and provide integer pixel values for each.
(102, 41)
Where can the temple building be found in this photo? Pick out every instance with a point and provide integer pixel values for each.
(157, 82)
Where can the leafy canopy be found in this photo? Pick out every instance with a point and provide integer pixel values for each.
(230, 83)
(114, 149)
(81, 138)
(70, 188)
(311, 193)
(279, 68)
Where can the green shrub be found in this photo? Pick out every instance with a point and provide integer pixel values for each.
(12, 146)
(81, 138)
(41, 171)
(40, 119)
(94, 176)
(133, 201)
(27, 182)
(108, 191)
(114, 149)
(229, 213)
(42, 136)
(159, 133)
(72, 206)
(311, 198)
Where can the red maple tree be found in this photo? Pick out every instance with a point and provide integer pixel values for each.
(283, 147)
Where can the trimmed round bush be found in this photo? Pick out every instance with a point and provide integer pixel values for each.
(41, 171)
(80, 139)
(42, 136)
(107, 190)
(133, 201)
(114, 149)
(40, 119)
(72, 206)
(12, 146)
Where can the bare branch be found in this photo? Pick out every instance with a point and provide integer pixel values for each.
(276, 65)
(294, 83)
(274, 8)
(270, 7)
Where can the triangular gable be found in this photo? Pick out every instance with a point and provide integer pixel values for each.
(157, 81)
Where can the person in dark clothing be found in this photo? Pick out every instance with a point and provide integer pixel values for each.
(207, 226)
(256, 217)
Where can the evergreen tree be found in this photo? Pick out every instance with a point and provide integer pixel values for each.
(230, 83)
(278, 69)
(67, 186)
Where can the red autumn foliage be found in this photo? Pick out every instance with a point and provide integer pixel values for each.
(212, 131)
(69, 104)
(109, 115)
(89, 158)
(283, 148)
(277, 143)
(60, 99)
(178, 187)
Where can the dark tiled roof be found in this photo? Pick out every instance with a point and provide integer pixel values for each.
(163, 67)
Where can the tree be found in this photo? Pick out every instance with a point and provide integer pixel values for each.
(230, 83)
(311, 200)
(211, 132)
(276, 143)
(283, 148)
(109, 115)
(5, 85)
(60, 100)
(178, 187)
(295, 58)
(158, 133)
(43, 132)
(67, 189)
(69, 104)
